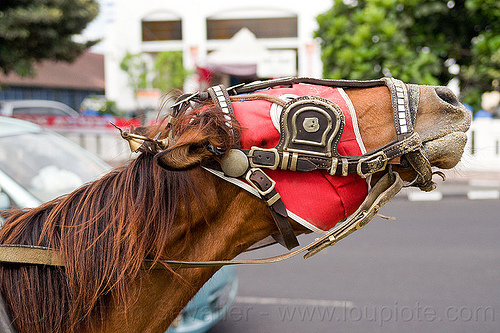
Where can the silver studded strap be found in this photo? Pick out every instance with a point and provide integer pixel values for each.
(403, 121)
(221, 100)
(220, 97)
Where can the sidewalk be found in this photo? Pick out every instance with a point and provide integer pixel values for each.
(472, 185)
(457, 175)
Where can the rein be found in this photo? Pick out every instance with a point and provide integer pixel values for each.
(290, 154)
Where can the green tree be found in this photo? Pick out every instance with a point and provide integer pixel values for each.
(136, 67)
(169, 71)
(166, 72)
(414, 40)
(32, 31)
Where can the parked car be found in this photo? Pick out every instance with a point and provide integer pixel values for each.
(35, 107)
(37, 165)
(60, 117)
(209, 305)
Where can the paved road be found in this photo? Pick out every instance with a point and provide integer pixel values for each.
(435, 269)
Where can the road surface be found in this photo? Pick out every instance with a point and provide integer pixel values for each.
(435, 269)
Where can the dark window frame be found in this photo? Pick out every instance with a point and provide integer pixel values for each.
(277, 27)
(161, 30)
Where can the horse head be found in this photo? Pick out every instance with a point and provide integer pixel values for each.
(227, 169)
(341, 131)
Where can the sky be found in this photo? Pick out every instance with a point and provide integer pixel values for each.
(97, 28)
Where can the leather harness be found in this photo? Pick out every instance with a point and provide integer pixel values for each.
(407, 144)
(317, 150)
(299, 149)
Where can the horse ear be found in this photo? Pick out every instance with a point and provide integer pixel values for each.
(189, 150)
(181, 158)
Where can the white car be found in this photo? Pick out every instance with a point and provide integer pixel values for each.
(37, 165)
(35, 107)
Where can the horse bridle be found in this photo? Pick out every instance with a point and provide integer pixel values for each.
(249, 163)
(307, 155)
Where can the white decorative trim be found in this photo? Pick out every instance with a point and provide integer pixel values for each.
(355, 126)
(354, 118)
(234, 181)
(304, 223)
(275, 111)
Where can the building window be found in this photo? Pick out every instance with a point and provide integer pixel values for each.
(278, 27)
(161, 30)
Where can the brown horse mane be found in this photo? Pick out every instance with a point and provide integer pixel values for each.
(104, 230)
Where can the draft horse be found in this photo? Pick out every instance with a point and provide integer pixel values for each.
(226, 169)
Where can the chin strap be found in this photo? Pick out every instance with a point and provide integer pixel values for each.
(383, 191)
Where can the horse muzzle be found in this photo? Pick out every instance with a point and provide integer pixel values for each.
(445, 152)
(443, 131)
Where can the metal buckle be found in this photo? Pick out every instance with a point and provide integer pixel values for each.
(262, 193)
(371, 158)
(333, 167)
(257, 165)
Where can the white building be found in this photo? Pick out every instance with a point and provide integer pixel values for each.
(281, 42)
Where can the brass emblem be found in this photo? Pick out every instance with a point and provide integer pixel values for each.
(311, 125)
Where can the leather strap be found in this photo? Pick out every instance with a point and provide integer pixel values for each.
(422, 167)
(403, 122)
(266, 188)
(221, 100)
(288, 81)
(30, 254)
(363, 165)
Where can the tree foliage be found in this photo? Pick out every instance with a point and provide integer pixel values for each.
(32, 31)
(166, 72)
(169, 70)
(414, 40)
(136, 68)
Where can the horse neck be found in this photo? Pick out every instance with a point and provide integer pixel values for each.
(224, 220)
(220, 223)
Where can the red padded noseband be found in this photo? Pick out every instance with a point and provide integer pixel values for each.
(314, 197)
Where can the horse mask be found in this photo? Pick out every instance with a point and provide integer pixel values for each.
(322, 123)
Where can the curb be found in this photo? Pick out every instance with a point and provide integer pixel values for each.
(459, 185)
(438, 196)
(463, 191)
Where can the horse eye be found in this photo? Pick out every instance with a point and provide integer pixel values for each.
(217, 151)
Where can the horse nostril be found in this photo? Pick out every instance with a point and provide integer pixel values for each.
(447, 96)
